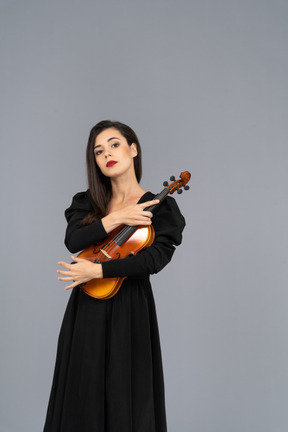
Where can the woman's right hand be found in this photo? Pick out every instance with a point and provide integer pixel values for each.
(132, 214)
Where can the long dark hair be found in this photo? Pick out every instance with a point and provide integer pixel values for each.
(100, 190)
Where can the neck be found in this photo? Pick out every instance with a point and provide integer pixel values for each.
(125, 188)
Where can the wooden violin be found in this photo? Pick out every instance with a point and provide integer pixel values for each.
(123, 241)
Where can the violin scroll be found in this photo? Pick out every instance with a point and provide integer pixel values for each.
(177, 185)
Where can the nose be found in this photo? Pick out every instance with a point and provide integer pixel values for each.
(107, 153)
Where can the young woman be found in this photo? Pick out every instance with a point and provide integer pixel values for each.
(108, 374)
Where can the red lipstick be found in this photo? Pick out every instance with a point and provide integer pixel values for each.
(111, 163)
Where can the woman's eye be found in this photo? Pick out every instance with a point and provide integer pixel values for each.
(115, 145)
(98, 152)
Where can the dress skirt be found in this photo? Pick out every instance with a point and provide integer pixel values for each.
(108, 375)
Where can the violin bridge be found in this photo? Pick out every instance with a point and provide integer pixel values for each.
(105, 253)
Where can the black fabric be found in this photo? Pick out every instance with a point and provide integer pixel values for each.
(79, 237)
(108, 375)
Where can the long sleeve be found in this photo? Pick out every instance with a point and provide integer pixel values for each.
(78, 237)
(168, 224)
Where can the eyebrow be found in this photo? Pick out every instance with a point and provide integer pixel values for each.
(110, 139)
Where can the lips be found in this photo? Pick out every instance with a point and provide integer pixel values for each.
(111, 163)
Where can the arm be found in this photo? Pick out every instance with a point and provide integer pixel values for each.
(80, 237)
(168, 224)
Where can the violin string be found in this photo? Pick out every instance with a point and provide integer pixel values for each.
(107, 248)
(118, 239)
(123, 233)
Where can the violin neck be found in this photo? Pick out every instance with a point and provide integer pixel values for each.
(125, 233)
(159, 197)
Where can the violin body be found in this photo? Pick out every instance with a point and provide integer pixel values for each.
(108, 250)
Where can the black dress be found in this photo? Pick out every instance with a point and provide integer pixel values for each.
(108, 375)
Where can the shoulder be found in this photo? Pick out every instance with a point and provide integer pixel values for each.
(167, 213)
(168, 221)
(80, 203)
(170, 209)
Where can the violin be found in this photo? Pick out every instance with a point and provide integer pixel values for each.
(123, 241)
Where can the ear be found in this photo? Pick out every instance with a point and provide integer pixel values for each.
(133, 149)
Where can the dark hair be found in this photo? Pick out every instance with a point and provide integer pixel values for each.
(100, 190)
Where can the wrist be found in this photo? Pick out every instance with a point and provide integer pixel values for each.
(110, 222)
(98, 271)
(113, 220)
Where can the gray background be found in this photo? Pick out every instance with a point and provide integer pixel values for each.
(204, 85)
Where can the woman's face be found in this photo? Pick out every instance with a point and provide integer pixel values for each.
(113, 154)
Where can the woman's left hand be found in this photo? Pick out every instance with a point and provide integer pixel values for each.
(81, 271)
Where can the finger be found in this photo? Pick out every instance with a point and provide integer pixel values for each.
(64, 264)
(147, 214)
(64, 272)
(144, 222)
(71, 286)
(141, 222)
(77, 259)
(66, 278)
(149, 203)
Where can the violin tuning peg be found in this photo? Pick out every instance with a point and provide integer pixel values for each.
(186, 187)
(179, 191)
(172, 178)
(165, 183)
